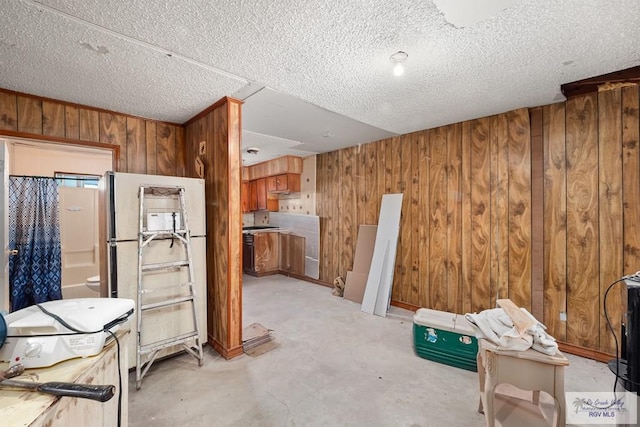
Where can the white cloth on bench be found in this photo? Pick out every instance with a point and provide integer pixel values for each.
(496, 326)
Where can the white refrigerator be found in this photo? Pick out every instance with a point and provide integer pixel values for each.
(122, 230)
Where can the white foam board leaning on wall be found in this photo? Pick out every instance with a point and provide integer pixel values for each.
(377, 293)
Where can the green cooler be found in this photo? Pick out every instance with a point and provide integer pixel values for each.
(445, 338)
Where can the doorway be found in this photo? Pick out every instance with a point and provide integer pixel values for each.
(79, 244)
(78, 204)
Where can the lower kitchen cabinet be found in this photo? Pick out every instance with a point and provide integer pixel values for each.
(266, 246)
(270, 252)
(292, 254)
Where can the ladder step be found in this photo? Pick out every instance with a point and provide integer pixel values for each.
(165, 265)
(169, 342)
(163, 232)
(184, 238)
(166, 288)
(166, 303)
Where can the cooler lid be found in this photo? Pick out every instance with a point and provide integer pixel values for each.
(444, 320)
(463, 326)
(435, 319)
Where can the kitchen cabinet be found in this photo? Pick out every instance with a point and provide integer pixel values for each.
(281, 165)
(266, 249)
(261, 194)
(258, 196)
(292, 254)
(270, 252)
(271, 184)
(253, 196)
(273, 204)
(245, 197)
(284, 183)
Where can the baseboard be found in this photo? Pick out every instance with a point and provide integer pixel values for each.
(306, 279)
(227, 353)
(404, 305)
(262, 273)
(588, 353)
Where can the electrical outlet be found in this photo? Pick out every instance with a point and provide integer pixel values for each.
(563, 316)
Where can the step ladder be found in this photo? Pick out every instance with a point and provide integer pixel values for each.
(177, 232)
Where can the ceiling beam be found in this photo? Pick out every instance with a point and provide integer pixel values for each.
(580, 87)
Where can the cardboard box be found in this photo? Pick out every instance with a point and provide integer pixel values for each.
(163, 221)
(356, 280)
(354, 286)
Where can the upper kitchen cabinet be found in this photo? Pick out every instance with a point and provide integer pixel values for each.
(253, 196)
(279, 166)
(261, 194)
(285, 183)
(271, 184)
(245, 196)
(264, 181)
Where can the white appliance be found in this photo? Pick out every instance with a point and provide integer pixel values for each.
(43, 337)
(123, 219)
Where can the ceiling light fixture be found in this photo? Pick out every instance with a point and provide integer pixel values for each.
(253, 150)
(398, 58)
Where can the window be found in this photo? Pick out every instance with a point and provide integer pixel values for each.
(77, 180)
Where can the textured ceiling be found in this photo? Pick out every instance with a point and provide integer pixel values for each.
(169, 60)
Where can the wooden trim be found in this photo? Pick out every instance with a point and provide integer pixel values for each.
(580, 87)
(86, 107)
(404, 305)
(34, 136)
(229, 233)
(210, 108)
(234, 289)
(224, 352)
(585, 352)
(262, 273)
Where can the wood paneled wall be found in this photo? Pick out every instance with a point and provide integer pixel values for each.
(541, 206)
(591, 212)
(219, 126)
(145, 146)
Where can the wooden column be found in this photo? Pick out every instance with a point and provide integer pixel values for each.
(219, 127)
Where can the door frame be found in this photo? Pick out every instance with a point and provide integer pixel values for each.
(4, 226)
(8, 136)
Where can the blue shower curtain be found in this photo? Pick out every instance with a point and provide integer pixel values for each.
(34, 230)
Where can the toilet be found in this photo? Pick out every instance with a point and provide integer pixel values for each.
(93, 283)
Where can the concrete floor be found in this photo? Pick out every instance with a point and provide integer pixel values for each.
(333, 366)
